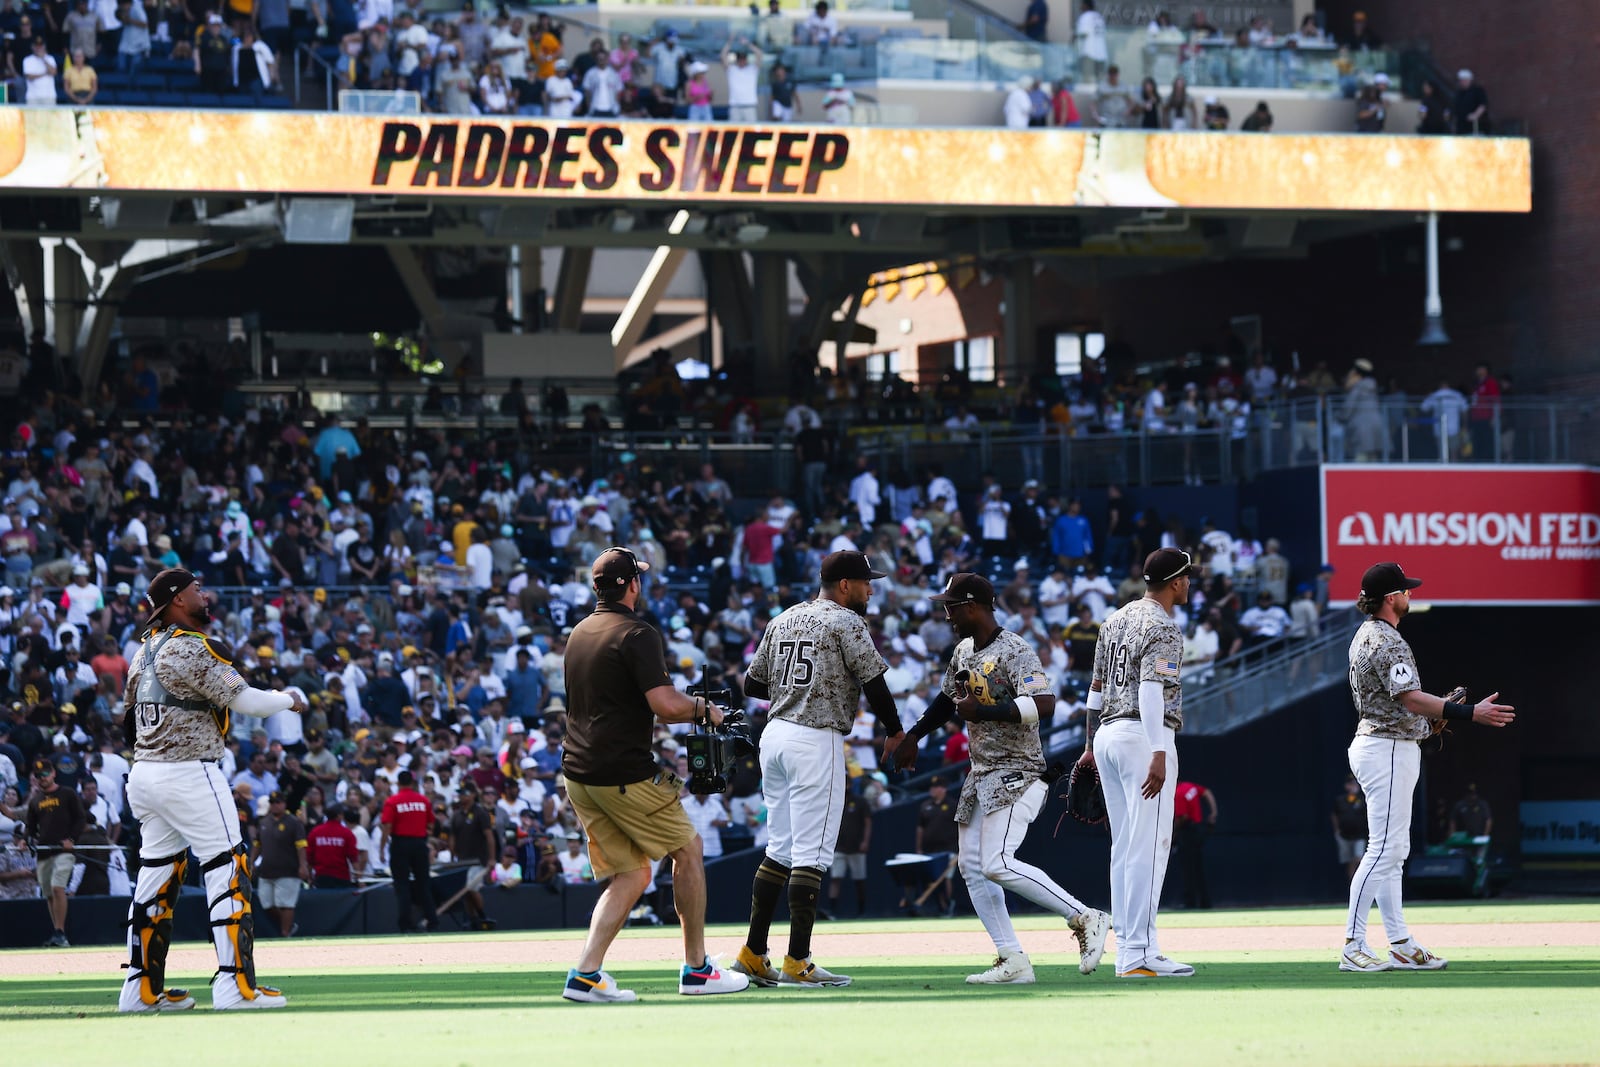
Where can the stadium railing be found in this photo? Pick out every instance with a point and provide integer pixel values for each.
(1256, 682)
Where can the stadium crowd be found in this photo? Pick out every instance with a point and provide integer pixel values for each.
(417, 588)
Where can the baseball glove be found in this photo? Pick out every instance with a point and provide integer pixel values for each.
(1440, 726)
(1086, 801)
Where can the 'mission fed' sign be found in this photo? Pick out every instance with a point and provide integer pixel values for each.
(1474, 534)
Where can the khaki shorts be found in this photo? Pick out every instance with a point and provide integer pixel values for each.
(55, 872)
(278, 892)
(852, 863)
(630, 826)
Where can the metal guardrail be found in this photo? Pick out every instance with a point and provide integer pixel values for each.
(1236, 691)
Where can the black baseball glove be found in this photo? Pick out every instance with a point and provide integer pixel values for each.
(1086, 801)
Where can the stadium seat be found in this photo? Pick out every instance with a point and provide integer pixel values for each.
(135, 98)
(151, 81)
(169, 99)
(107, 98)
(274, 101)
(170, 66)
(186, 82)
(117, 81)
(204, 100)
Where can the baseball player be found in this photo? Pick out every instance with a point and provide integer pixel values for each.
(814, 662)
(996, 683)
(1386, 756)
(181, 690)
(1135, 711)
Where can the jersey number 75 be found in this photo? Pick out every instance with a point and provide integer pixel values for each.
(795, 665)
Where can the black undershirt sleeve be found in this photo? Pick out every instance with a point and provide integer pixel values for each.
(756, 689)
(881, 701)
(937, 715)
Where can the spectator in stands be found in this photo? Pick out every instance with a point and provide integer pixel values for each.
(1445, 406)
(495, 94)
(1018, 107)
(1063, 108)
(474, 35)
(1484, 414)
(79, 79)
(213, 60)
(1361, 415)
(821, 28)
(1178, 111)
(743, 73)
(1259, 120)
(667, 59)
(452, 83)
(253, 65)
(1149, 105)
(1371, 114)
(133, 44)
(82, 28)
(786, 104)
(839, 102)
(1264, 622)
(1036, 21)
(39, 72)
(1113, 107)
(1471, 107)
(602, 86)
(1362, 35)
(561, 96)
(1216, 114)
(1091, 38)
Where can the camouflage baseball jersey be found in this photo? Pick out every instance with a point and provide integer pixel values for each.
(1139, 643)
(1007, 757)
(179, 688)
(815, 658)
(1381, 669)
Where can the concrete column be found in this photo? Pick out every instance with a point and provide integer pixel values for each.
(772, 326)
(571, 285)
(1017, 356)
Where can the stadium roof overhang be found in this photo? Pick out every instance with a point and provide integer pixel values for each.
(162, 190)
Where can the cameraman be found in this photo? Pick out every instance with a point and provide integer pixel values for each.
(617, 687)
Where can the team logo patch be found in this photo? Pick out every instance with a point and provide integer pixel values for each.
(1402, 674)
(1167, 668)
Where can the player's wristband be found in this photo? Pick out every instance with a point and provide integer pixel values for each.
(1458, 711)
(1096, 701)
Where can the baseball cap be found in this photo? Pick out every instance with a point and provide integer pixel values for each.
(966, 588)
(1165, 564)
(276, 797)
(1381, 579)
(848, 564)
(80, 570)
(166, 585)
(616, 567)
(528, 764)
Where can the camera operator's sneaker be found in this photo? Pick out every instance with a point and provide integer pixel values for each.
(708, 978)
(1360, 960)
(596, 988)
(805, 973)
(1015, 969)
(1410, 956)
(1090, 929)
(1157, 967)
(759, 969)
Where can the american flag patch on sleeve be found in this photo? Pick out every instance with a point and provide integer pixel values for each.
(231, 679)
(1167, 667)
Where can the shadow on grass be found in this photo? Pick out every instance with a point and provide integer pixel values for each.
(473, 990)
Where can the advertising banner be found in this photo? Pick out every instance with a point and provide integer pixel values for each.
(1486, 535)
(255, 152)
(1561, 827)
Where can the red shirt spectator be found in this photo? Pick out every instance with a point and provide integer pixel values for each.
(955, 749)
(759, 539)
(1186, 805)
(407, 814)
(1485, 396)
(332, 851)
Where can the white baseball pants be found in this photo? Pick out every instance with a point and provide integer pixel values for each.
(989, 864)
(1387, 770)
(803, 784)
(1141, 834)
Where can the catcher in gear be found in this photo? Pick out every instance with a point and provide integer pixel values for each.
(181, 689)
(996, 683)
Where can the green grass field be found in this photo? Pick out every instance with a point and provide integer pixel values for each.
(1532, 1003)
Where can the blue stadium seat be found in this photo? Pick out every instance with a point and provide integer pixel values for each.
(204, 100)
(113, 80)
(151, 81)
(169, 99)
(107, 98)
(274, 102)
(134, 98)
(185, 82)
(170, 66)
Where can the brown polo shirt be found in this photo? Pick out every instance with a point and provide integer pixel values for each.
(613, 659)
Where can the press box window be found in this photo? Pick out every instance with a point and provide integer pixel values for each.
(1073, 348)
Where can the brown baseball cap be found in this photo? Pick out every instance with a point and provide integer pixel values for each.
(1166, 564)
(615, 568)
(848, 564)
(163, 587)
(966, 588)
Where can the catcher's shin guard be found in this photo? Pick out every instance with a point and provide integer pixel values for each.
(150, 930)
(232, 925)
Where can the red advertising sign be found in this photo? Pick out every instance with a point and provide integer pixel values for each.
(1484, 535)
